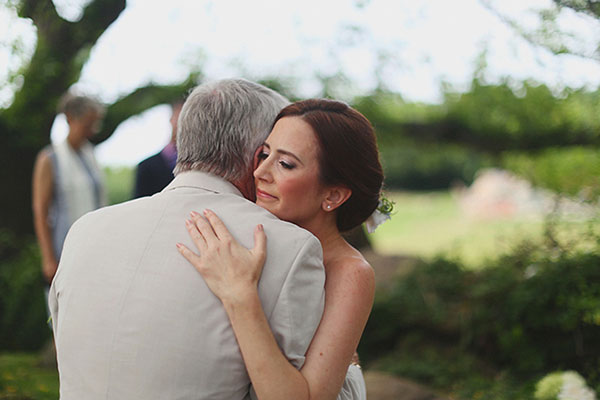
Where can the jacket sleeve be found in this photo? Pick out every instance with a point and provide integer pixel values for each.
(53, 306)
(299, 307)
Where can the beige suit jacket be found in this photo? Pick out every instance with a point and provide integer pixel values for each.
(133, 319)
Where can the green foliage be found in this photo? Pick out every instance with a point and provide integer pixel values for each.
(388, 112)
(119, 184)
(568, 385)
(530, 312)
(411, 163)
(409, 166)
(523, 116)
(549, 386)
(541, 314)
(414, 138)
(21, 378)
(22, 306)
(588, 7)
(459, 374)
(571, 170)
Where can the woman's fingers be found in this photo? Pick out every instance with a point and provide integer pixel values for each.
(260, 244)
(196, 235)
(219, 227)
(189, 255)
(204, 228)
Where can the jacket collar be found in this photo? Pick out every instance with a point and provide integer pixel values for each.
(204, 181)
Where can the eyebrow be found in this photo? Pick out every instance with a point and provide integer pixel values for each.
(287, 153)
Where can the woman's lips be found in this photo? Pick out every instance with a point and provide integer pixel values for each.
(264, 195)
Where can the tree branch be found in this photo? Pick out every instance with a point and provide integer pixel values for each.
(41, 12)
(590, 7)
(137, 102)
(557, 48)
(97, 17)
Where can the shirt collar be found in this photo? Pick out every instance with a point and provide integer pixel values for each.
(203, 180)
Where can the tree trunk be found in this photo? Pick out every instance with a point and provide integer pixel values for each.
(62, 49)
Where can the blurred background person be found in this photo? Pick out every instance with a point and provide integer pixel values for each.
(156, 172)
(67, 180)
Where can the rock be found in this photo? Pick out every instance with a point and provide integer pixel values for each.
(497, 193)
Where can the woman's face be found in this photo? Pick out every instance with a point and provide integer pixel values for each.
(287, 176)
(87, 125)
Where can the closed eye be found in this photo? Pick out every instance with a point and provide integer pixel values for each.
(286, 165)
(261, 156)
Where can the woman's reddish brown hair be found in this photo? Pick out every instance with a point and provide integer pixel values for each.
(348, 155)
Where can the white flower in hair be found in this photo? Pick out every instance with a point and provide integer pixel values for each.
(380, 215)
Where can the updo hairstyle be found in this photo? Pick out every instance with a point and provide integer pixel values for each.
(347, 155)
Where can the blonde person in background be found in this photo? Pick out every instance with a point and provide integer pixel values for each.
(67, 181)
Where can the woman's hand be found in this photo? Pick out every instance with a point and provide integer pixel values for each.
(229, 269)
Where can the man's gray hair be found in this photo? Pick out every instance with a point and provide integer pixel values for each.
(221, 125)
(76, 106)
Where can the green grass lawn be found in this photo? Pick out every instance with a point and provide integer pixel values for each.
(429, 224)
(21, 378)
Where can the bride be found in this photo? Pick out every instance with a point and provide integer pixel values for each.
(319, 168)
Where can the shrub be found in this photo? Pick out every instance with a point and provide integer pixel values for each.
(574, 171)
(568, 385)
(528, 313)
(22, 306)
(503, 117)
(408, 166)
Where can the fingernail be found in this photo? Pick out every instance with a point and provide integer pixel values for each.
(178, 245)
(206, 212)
(194, 214)
(188, 222)
(260, 227)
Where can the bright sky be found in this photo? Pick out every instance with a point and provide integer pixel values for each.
(424, 43)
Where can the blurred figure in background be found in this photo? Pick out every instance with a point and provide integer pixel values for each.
(156, 172)
(67, 181)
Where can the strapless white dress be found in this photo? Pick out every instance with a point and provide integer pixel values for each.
(354, 387)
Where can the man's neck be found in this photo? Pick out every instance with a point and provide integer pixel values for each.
(246, 187)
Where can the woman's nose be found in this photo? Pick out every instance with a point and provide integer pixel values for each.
(262, 171)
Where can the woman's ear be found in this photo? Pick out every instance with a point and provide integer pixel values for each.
(335, 197)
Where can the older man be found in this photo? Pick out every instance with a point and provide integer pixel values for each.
(131, 319)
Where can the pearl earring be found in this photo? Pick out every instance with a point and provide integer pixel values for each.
(329, 206)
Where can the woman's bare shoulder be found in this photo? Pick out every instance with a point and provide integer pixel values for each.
(350, 268)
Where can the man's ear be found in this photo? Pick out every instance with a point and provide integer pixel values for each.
(335, 197)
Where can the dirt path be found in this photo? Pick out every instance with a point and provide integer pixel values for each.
(381, 386)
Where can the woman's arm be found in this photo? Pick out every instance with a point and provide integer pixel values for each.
(349, 294)
(42, 184)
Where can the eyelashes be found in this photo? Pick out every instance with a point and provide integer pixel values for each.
(286, 165)
(262, 155)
